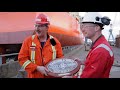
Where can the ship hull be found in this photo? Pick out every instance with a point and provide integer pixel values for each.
(17, 26)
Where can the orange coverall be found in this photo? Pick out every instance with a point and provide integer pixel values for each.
(42, 55)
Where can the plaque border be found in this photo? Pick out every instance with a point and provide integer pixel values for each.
(63, 74)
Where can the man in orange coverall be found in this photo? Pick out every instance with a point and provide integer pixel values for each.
(39, 49)
(100, 58)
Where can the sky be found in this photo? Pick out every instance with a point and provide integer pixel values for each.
(115, 20)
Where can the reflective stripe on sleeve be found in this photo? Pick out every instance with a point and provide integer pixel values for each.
(26, 63)
(105, 47)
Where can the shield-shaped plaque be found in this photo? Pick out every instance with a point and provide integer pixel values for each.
(63, 66)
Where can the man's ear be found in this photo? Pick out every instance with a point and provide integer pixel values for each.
(97, 28)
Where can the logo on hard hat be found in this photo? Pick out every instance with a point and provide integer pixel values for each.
(38, 19)
(42, 19)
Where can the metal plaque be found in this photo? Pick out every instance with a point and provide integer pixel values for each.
(62, 66)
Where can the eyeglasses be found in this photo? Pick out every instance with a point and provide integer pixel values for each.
(38, 31)
(86, 26)
(42, 25)
(38, 28)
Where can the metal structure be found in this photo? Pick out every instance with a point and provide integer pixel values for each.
(111, 38)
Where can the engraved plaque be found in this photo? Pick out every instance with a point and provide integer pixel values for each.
(62, 66)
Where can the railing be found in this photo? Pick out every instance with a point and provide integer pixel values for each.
(4, 55)
(67, 49)
(4, 58)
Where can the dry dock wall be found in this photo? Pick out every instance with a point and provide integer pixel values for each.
(9, 69)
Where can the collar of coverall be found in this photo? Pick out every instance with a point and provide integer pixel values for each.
(95, 41)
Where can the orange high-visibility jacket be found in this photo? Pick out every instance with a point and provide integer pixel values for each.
(41, 55)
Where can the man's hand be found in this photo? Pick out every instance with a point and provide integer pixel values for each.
(80, 61)
(42, 70)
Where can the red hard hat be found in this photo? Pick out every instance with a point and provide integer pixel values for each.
(42, 19)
